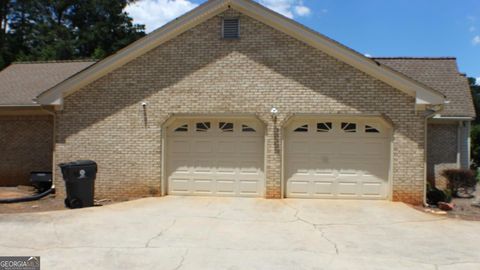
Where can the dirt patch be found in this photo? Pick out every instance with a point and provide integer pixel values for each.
(464, 208)
(48, 203)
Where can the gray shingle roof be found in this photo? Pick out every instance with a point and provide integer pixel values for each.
(22, 82)
(441, 74)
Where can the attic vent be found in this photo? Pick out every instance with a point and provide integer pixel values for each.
(231, 28)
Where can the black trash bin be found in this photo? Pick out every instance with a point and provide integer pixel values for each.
(79, 179)
(42, 181)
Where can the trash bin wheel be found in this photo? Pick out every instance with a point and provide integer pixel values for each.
(76, 203)
(67, 202)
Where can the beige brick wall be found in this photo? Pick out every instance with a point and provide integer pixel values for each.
(441, 152)
(26, 145)
(199, 73)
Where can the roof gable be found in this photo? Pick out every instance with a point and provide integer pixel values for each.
(423, 93)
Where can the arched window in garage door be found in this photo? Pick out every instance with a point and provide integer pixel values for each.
(324, 127)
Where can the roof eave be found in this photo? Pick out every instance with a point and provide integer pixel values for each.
(22, 110)
(464, 118)
(20, 106)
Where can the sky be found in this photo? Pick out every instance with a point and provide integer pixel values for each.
(417, 28)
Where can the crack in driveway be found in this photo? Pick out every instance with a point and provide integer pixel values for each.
(147, 244)
(315, 227)
(182, 260)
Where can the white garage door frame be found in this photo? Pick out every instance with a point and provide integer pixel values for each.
(370, 118)
(177, 118)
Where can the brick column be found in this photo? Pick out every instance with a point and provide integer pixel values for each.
(273, 156)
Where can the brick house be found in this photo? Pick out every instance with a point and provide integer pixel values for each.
(233, 99)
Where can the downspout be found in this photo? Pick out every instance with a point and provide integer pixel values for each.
(469, 144)
(459, 144)
(54, 135)
(430, 113)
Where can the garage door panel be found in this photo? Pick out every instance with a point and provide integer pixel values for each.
(326, 147)
(180, 166)
(299, 188)
(202, 146)
(181, 185)
(181, 146)
(349, 173)
(250, 146)
(249, 187)
(226, 170)
(203, 167)
(203, 185)
(249, 170)
(321, 159)
(375, 189)
(372, 148)
(324, 188)
(299, 147)
(301, 166)
(375, 174)
(324, 173)
(335, 163)
(346, 188)
(227, 147)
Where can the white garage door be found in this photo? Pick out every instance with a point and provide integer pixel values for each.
(222, 157)
(337, 159)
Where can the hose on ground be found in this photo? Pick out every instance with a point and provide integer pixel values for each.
(29, 198)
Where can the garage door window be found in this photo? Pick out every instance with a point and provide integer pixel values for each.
(247, 128)
(203, 126)
(225, 126)
(349, 127)
(183, 128)
(324, 127)
(303, 128)
(370, 129)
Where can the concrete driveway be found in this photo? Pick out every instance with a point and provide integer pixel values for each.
(233, 233)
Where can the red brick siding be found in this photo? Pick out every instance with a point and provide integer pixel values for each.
(26, 145)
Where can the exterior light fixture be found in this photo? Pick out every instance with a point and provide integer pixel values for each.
(274, 112)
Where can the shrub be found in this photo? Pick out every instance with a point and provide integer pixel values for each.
(435, 195)
(460, 180)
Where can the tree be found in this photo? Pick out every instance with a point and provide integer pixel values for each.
(64, 29)
(475, 86)
(475, 134)
(102, 27)
(4, 11)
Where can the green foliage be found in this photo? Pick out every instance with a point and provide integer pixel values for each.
(475, 87)
(475, 137)
(435, 195)
(460, 180)
(475, 133)
(448, 195)
(64, 29)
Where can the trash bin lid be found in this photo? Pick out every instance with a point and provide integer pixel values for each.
(83, 162)
(78, 163)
